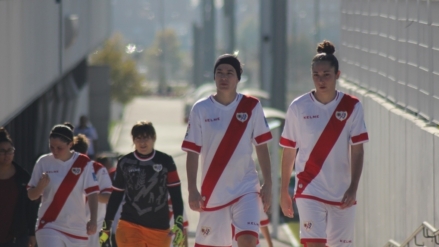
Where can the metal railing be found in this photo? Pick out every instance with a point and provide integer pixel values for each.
(428, 232)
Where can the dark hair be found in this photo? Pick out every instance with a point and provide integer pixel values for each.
(231, 60)
(325, 52)
(4, 136)
(103, 160)
(143, 128)
(70, 125)
(80, 144)
(62, 132)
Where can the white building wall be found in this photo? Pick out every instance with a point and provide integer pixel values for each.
(32, 51)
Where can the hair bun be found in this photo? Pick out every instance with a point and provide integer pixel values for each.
(3, 133)
(326, 47)
(4, 136)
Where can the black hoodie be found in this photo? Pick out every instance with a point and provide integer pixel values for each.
(25, 214)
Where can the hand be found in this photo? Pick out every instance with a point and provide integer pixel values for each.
(32, 241)
(349, 198)
(105, 233)
(196, 202)
(104, 238)
(287, 205)
(265, 195)
(44, 181)
(178, 231)
(91, 227)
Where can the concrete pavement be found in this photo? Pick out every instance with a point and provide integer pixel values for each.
(166, 114)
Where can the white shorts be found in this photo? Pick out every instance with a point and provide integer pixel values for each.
(93, 240)
(215, 227)
(325, 223)
(47, 237)
(263, 221)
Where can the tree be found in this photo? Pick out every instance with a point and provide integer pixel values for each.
(126, 82)
(164, 58)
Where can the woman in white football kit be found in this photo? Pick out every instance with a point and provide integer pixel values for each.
(64, 178)
(80, 145)
(327, 127)
(222, 130)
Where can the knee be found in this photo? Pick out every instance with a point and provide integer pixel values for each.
(247, 240)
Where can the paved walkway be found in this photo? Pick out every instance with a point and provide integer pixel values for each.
(167, 117)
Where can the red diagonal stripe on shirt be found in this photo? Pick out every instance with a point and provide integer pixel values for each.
(227, 146)
(324, 144)
(63, 191)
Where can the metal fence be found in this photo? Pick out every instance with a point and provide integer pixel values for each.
(391, 47)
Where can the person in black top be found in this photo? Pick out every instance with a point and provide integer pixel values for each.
(18, 214)
(145, 177)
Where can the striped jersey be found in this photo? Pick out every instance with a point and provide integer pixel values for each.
(66, 207)
(323, 134)
(224, 137)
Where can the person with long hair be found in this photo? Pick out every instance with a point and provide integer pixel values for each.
(18, 214)
(328, 128)
(63, 179)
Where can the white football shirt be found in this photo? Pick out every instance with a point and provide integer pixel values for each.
(72, 219)
(323, 134)
(223, 136)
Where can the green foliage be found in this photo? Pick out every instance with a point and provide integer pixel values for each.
(126, 82)
(164, 55)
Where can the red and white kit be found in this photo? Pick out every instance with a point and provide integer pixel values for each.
(263, 221)
(63, 204)
(323, 134)
(105, 187)
(223, 136)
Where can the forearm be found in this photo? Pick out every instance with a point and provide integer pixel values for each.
(264, 162)
(177, 201)
(104, 198)
(34, 193)
(288, 159)
(113, 204)
(192, 170)
(93, 205)
(357, 156)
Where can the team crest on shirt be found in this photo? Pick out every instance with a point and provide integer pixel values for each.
(157, 167)
(307, 225)
(76, 170)
(242, 116)
(341, 115)
(205, 230)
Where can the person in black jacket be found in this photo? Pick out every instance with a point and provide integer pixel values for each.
(18, 214)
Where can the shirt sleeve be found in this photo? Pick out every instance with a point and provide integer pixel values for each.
(193, 138)
(261, 132)
(105, 185)
(91, 185)
(173, 178)
(358, 132)
(36, 174)
(289, 138)
(119, 180)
